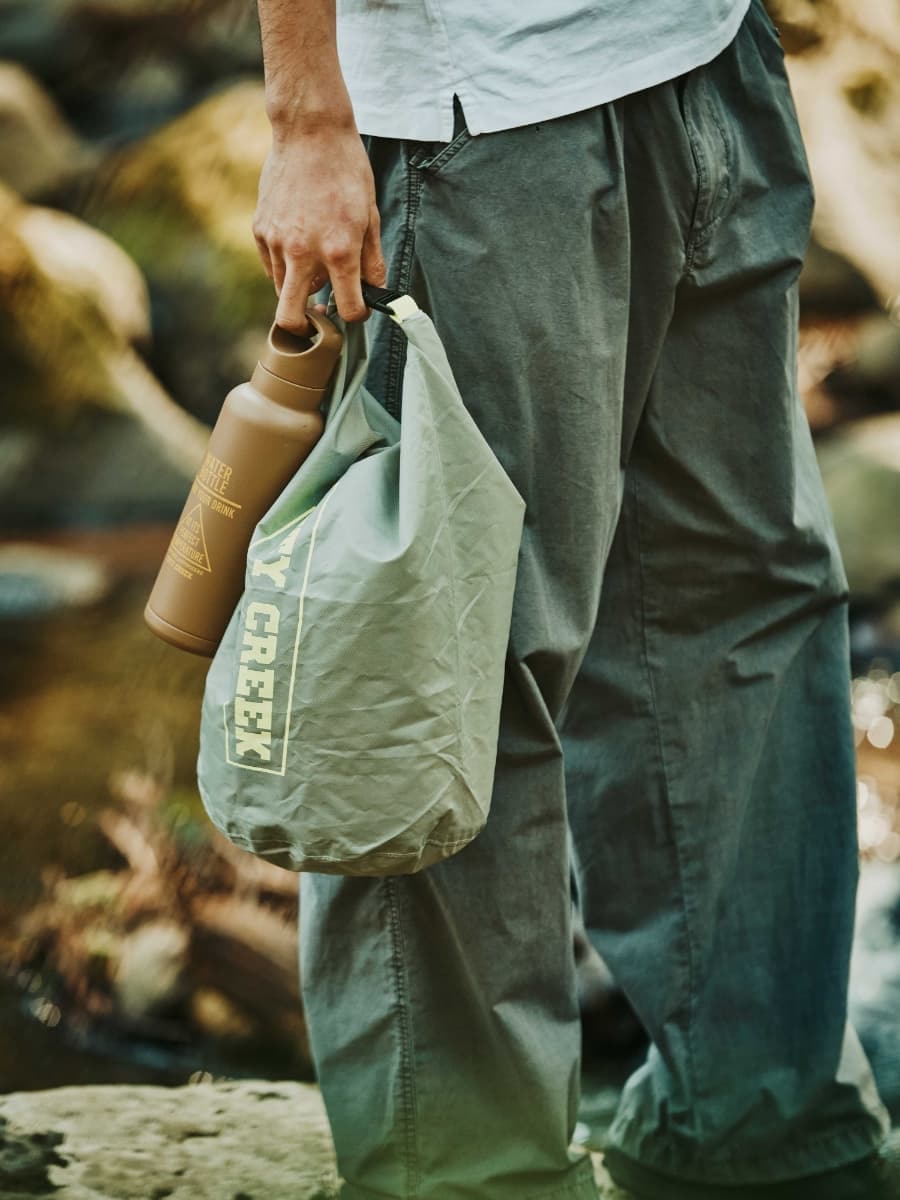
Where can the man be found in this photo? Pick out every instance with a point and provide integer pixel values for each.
(604, 207)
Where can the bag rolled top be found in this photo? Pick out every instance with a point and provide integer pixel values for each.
(351, 711)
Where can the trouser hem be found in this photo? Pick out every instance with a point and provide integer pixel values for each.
(845, 1179)
(579, 1185)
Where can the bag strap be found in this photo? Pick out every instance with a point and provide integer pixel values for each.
(397, 305)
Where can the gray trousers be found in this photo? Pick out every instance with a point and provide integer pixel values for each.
(616, 293)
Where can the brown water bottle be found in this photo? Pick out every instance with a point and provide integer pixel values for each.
(264, 432)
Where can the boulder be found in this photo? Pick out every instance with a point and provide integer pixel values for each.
(158, 58)
(71, 305)
(875, 976)
(181, 203)
(210, 1140)
(206, 1141)
(38, 150)
(830, 285)
(872, 375)
(860, 465)
(42, 579)
(151, 967)
(844, 66)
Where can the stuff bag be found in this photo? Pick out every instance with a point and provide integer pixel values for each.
(351, 711)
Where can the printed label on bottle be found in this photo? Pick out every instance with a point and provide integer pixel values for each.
(187, 552)
(212, 485)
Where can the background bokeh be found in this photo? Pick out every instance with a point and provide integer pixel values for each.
(136, 944)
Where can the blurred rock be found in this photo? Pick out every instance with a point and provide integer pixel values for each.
(77, 260)
(216, 1017)
(801, 24)
(872, 376)
(830, 285)
(98, 469)
(825, 345)
(181, 203)
(38, 150)
(860, 465)
(36, 33)
(151, 968)
(221, 36)
(70, 304)
(845, 76)
(875, 976)
(39, 580)
(147, 92)
(158, 58)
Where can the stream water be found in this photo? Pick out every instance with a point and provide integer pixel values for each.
(88, 692)
(84, 693)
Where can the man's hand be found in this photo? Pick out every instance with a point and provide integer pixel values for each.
(316, 218)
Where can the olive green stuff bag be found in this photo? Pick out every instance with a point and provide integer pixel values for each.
(350, 714)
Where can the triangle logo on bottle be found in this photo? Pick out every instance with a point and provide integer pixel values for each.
(189, 541)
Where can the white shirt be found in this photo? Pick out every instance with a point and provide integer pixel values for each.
(515, 62)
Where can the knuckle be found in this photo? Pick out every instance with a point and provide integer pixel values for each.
(339, 251)
(295, 248)
(353, 310)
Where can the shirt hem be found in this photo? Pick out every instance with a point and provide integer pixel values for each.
(488, 116)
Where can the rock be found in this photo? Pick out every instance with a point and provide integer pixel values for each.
(206, 1141)
(234, 1140)
(40, 579)
(875, 976)
(25, 1159)
(215, 1015)
(158, 58)
(831, 285)
(149, 91)
(76, 259)
(70, 301)
(860, 465)
(872, 375)
(97, 469)
(827, 344)
(38, 150)
(151, 968)
(181, 203)
(801, 23)
(846, 84)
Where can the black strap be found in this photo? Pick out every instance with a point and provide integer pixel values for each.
(380, 298)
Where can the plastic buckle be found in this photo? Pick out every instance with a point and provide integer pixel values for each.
(397, 305)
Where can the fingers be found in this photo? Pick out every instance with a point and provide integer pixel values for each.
(344, 260)
(264, 255)
(293, 297)
(374, 270)
(279, 270)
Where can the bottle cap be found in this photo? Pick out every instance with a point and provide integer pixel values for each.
(303, 360)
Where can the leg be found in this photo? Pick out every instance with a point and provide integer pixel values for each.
(442, 1006)
(709, 756)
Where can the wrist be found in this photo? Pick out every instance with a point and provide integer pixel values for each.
(294, 116)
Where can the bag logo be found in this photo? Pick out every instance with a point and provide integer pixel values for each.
(257, 720)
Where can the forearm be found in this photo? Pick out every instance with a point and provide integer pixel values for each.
(316, 217)
(305, 89)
